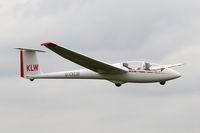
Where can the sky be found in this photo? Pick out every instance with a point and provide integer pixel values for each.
(164, 32)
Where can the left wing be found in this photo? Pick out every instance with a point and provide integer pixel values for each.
(87, 62)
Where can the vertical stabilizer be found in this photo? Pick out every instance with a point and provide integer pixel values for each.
(29, 65)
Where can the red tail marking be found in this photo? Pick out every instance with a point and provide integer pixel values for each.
(32, 68)
(21, 64)
(35, 67)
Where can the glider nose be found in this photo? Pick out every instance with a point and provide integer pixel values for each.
(176, 74)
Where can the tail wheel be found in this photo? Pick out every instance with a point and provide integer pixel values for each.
(162, 83)
(118, 85)
(31, 80)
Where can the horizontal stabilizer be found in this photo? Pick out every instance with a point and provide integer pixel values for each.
(31, 50)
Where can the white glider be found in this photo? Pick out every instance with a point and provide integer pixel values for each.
(119, 73)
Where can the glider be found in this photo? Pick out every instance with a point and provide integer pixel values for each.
(119, 73)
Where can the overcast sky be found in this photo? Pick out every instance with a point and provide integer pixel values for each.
(164, 32)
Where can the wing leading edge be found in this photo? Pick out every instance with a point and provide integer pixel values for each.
(87, 62)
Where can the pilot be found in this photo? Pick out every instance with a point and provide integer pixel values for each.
(147, 66)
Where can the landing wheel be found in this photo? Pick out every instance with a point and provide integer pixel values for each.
(31, 80)
(118, 85)
(162, 83)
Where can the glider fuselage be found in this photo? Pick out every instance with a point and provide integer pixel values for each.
(134, 76)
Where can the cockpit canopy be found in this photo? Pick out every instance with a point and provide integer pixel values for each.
(138, 65)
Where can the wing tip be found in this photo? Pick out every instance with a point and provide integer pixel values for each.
(48, 44)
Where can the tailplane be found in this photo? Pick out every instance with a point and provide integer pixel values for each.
(29, 65)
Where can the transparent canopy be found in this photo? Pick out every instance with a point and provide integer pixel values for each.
(138, 65)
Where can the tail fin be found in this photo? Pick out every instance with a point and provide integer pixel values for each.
(29, 65)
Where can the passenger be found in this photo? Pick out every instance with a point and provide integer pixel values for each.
(126, 65)
(147, 66)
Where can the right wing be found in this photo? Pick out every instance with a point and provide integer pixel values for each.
(174, 65)
(87, 62)
(162, 67)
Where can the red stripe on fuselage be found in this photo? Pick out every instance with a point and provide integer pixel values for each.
(21, 63)
(141, 71)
